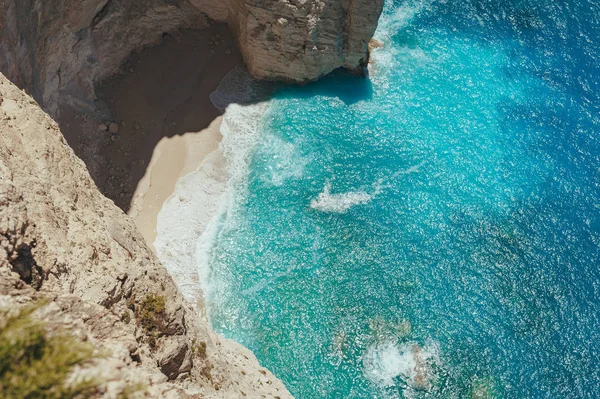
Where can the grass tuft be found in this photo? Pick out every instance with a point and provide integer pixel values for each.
(151, 316)
(152, 312)
(36, 365)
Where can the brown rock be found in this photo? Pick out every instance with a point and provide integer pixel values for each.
(113, 128)
(375, 44)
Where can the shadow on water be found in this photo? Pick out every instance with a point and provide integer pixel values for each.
(348, 87)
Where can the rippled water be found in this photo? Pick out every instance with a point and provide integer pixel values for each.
(432, 232)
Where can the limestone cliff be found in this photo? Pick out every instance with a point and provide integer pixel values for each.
(61, 239)
(58, 49)
(301, 40)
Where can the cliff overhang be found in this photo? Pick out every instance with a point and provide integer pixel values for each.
(59, 50)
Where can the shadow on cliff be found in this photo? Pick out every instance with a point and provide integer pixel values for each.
(162, 92)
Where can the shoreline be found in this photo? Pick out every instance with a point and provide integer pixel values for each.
(164, 122)
(173, 158)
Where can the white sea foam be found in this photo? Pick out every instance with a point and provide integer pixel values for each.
(182, 219)
(398, 17)
(342, 202)
(408, 365)
(384, 183)
(338, 203)
(190, 220)
(394, 19)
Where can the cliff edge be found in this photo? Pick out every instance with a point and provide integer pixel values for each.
(63, 241)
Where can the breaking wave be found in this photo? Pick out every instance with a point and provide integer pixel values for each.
(408, 365)
(339, 203)
(189, 222)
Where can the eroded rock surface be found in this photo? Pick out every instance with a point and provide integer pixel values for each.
(62, 240)
(302, 40)
(57, 50)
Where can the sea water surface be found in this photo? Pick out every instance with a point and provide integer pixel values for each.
(430, 232)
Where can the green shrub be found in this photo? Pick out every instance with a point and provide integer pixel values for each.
(151, 316)
(198, 349)
(152, 312)
(35, 365)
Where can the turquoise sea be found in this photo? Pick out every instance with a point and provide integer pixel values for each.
(432, 231)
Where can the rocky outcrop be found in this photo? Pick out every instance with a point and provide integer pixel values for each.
(58, 50)
(60, 239)
(302, 40)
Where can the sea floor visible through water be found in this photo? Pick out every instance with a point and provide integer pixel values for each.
(429, 232)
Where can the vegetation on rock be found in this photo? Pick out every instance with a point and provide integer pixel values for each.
(151, 315)
(34, 364)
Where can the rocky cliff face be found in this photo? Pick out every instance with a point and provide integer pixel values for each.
(57, 50)
(62, 240)
(301, 40)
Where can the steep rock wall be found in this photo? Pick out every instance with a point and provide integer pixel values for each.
(57, 50)
(302, 40)
(62, 240)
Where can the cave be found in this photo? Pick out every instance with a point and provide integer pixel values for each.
(159, 92)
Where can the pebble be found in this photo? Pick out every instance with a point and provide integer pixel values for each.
(113, 138)
(102, 127)
(113, 128)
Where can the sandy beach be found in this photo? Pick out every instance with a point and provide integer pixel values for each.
(173, 158)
